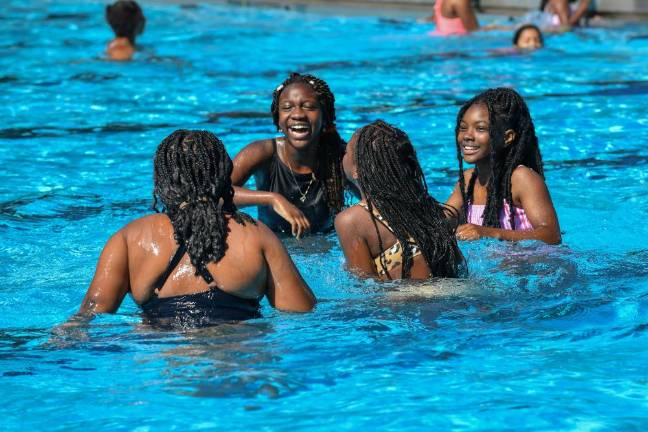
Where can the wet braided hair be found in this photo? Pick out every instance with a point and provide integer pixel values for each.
(506, 110)
(191, 176)
(392, 181)
(331, 146)
(126, 19)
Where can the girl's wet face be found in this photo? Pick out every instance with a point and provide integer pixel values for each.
(300, 115)
(529, 39)
(473, 137)
(348, 161)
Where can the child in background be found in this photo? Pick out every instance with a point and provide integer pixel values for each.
(453, 17)
(127, 21)
(505, 195)
(563, 14)
(528, 37)
(397, 230)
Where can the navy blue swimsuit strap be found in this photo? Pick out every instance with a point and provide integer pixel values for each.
(175, 260)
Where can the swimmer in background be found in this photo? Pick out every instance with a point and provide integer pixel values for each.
(528, 37)
(453, 17)
(397, 230)
(505, 195)
(127, 21)
(562, 14)
(198, 261)
(298, 176)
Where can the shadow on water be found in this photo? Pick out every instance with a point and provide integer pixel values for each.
(92, 77)
(67, 207)
(51, 132)
(66, 16)
(235, 360)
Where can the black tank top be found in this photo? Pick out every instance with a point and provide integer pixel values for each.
(304, 192)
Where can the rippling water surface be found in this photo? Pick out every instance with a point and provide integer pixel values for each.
(538, 337)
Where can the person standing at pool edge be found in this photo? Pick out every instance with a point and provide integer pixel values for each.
(505, 195)
(453, 17)
(396, 210)
(298, 176)
(199, 260)
(562, 14)
(127, 21)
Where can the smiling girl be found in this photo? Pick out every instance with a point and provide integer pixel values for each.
(299, 182)
(495, 133)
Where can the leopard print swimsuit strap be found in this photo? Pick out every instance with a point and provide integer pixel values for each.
(391, 257)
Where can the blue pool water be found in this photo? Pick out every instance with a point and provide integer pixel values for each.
(539, 337)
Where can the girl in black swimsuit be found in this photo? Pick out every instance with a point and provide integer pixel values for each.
(299, 181)
(198, 261)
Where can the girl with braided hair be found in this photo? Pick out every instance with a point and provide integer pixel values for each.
(495, 132)
(197, 261)
(299, 181)
(397, 230)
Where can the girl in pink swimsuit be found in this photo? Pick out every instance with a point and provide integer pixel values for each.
(464, 22)
(505, 195)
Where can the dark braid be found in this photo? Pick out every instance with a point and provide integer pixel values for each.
(392, 181)
(192, 181)
(331, 145)
(506, 110)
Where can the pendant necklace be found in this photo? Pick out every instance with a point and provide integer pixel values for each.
(304, 194)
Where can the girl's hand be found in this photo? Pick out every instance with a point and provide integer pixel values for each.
(299, 224)
(470, 232)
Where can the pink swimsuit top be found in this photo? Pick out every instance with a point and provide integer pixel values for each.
(476, 216)
(447, 26)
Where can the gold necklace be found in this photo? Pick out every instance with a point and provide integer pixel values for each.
(310, 183)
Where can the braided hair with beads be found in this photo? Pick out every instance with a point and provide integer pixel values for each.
(506, 111)
(192, 182)
(331, 146)
(392, 181)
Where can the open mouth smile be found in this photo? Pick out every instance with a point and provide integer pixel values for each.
(300, 130)
(469, 149)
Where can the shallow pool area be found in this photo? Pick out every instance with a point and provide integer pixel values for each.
(538, 337)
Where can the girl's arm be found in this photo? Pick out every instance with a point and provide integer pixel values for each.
(111, 281)
(455, 201)
(355, 247)
(561, 8)
(583, 6)
(533, 196)
(286, 289)
(249, 160)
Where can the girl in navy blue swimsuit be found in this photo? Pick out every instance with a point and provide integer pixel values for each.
(299, 181)
(198, 261)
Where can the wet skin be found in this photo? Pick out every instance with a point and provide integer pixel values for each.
(255, 264)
